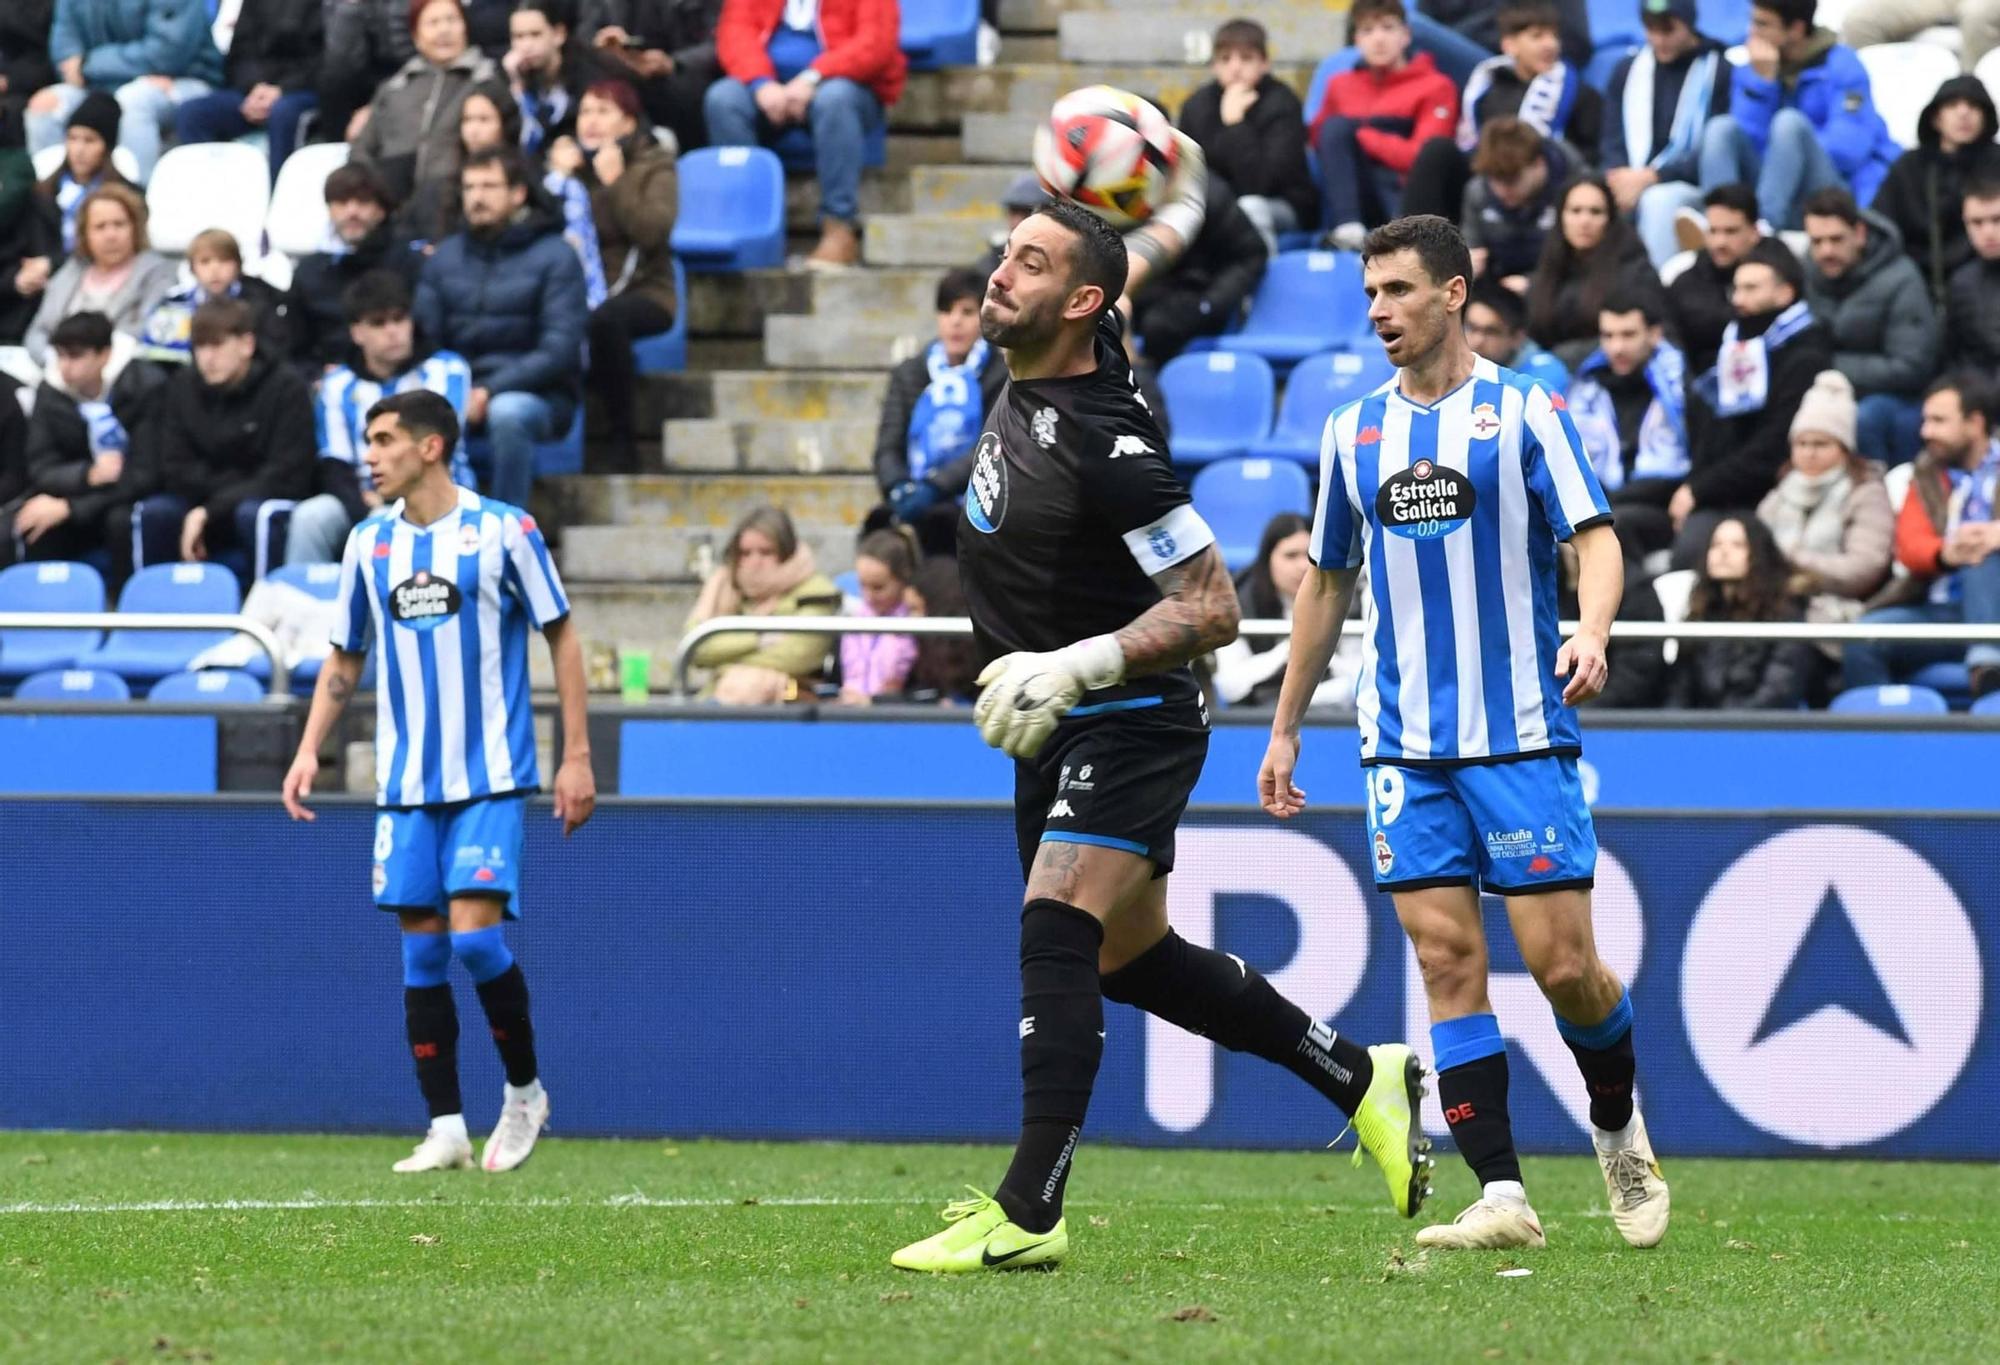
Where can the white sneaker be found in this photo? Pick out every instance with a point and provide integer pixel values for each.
(441, 1150)
(1489, 1225)
(521, 1122)
(1632, 1180)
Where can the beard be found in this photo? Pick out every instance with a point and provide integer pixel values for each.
(1029, 326)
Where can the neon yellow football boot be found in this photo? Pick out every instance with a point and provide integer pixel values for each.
(981, 1237)
(1390, 1130)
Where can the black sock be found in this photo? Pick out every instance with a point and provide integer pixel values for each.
(1607, 1073)
(1217, 996)
(1474, 1096)
(431, 1016)
(1062, 1041)
(505, 999)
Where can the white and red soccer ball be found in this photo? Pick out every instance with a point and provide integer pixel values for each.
(1108, 150)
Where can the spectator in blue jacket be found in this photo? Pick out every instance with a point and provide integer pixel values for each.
(153, 55)
(1661, 99)
(507, 293)
(1801, 117)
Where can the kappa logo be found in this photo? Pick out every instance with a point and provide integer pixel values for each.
(381, 879)
(381, 549)
(1558, 402)
(1368, 436)
(1485, 422)
(1542, 865)
(527, 525)
(1130, 445)
(485, 874)
(1044, 426)
(1061, 810)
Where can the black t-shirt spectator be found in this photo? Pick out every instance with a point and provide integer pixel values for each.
(1264, 153)
(318, 321)
(1699, 307)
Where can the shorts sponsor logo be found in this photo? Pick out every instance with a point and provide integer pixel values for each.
(1425, 501)
(986, 494)
(1485, 422)
(424, 601)
(1385, 857)
(1512, 843)
(381, 879)
(1044, 426)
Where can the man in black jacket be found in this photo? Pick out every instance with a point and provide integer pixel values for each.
(271, 70)
(233, 431)
(1699, 303)
(1208, 285)
(1925, 188)
(91, 407)
(24, 60)
(1740, 411)
(668, 48)
(360, 205)
(1252, 128)
(1972, 303)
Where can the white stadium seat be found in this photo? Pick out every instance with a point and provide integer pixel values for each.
(1902, 77)
(297, 222)
(209, 185)
(1988, 72)
(50, 159)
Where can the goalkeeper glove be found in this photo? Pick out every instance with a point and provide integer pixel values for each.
(913, 497)
(1024, 695)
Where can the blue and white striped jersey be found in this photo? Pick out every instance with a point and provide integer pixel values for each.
(341, 409)
(450, 605)
(1456, 509)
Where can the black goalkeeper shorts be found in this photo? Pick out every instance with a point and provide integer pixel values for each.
(1115, 779)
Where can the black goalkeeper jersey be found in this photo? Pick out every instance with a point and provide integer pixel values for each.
(1072, 508)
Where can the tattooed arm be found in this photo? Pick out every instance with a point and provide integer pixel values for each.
(1195, 615)
(337, 679)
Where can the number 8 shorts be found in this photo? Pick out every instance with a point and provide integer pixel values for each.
(427, 855)
(1515, 829)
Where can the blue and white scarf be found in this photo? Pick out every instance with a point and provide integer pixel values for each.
(580, 231)
(1741, 380)
(1979, 494)
(1690, 111)
(539, 113)
(70, 194)
(947, 417)
(167, 333)
(1546, 107)
(107, 433)
(1663, 443)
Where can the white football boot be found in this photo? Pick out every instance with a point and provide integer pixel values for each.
(1489, 1225)
(444, 1148)
(1632, 1180)
(522, 1119)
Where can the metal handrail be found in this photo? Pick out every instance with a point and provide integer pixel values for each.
(281, 680)
(1264, 628)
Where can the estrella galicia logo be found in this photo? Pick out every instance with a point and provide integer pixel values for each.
(986, 496)
(1425, 501)
(424, 601)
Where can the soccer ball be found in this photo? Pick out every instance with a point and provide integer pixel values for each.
(1108, 150)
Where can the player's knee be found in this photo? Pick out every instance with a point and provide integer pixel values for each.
(1452, 967)
(426, 957)
(1565, 973)
(484, 952)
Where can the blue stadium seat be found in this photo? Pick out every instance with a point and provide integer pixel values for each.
(1330, 66)
(667, 353)
(732, 209)
(1219, 404)
(1603, 63)
(321, 581)
(1952, 680)
(73, 684)
(564, 455)
(1615, 23)
(145, 655)
(54, 586)
(1988, 705)
(1316, 386)
(1309, 301)
(939, 33)
(1896, 699)
(206, 685)
(1238, 498)
(1726, 21)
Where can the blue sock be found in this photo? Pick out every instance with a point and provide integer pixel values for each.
(484, 952)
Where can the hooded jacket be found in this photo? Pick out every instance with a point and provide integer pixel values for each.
(318, 321)
(513, 304)
(122, 40)
(1830, 87)
(59, 454)
(1972, 314)
(1735, 460)
(859, 41)
(1924, 191)
(219, 447)
(1878, 315)
(1399, 111)
(1263, 154)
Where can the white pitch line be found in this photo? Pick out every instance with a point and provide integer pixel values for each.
(616, 1201)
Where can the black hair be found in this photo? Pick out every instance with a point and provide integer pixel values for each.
(1775, 254)
(1512, 308)
(1599, 270)
(1645, 300)
(1739, 197)
(1974, 390)
(1764, 594)
(956, 285)
(82, 332)
(1790, 12)
(1262, 592)
(1098, 255)
(1517, 15)
(358, 180)
(1986, 186)
(374, 294)
(559, 13)
(502, 99)
(1440, 248)
(506, 158)
(421, 413)
(1832, 202)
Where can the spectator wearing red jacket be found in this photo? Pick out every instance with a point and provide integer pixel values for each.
(831, 66)
(1373, 119)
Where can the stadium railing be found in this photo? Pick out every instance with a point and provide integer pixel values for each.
(279, 688)
(1268, 629)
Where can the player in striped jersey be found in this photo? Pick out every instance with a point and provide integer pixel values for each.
(1452, 485)
(448, 585)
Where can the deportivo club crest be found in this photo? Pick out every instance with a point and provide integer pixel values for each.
(1045, 428)
(1485, 422)
(986, 494)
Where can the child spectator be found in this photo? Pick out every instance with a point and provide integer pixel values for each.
(217, 266)
(113, 270)
(874, 666)
(931, 418)
(1250, 672)
(1699, 303)
(1592, 254)
(1496, 327)
(947, 665)
(1629, 404)
(86, 164)
(1463, 33)
(409, 131)
(270, 75)
(765, 572)
(1743, 577)
(1924, 192)
(546, 72)
(1510, 207)
(1251, 126)
(1674, 84)
(1972, 301)
(1372, 121)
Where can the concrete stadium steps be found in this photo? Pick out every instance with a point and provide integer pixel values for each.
(1033, 88)
(773, 395)
(763, 445)
(811, 342)
(1143, 33)
(611, 616)
(715, 501)
(638, 555)
(937, 240)
(738, 305)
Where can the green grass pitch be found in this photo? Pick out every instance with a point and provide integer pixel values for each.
(143, 1247)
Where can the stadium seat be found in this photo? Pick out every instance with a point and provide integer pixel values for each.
(231, 685)
(1673, 588)
(49, 160)
(1896, 699)
(1219, 403)
(1988, 705)
(1902, 77)
(1614, 23)
(296, 223)
(667, 353)
(209, 185)
(1330, 66)
(1309, 301)
(54, 586)
(1952, 681)
(939, 33)
(1316, 386)
(564, 455)
(73, 684)
(732, 209)
(1238, 498)
(1726, 21)
(144, 655)
(1603, 64)
(321, 581)
(1988, 71)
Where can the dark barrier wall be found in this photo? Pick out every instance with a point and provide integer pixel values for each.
(1801, 984)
